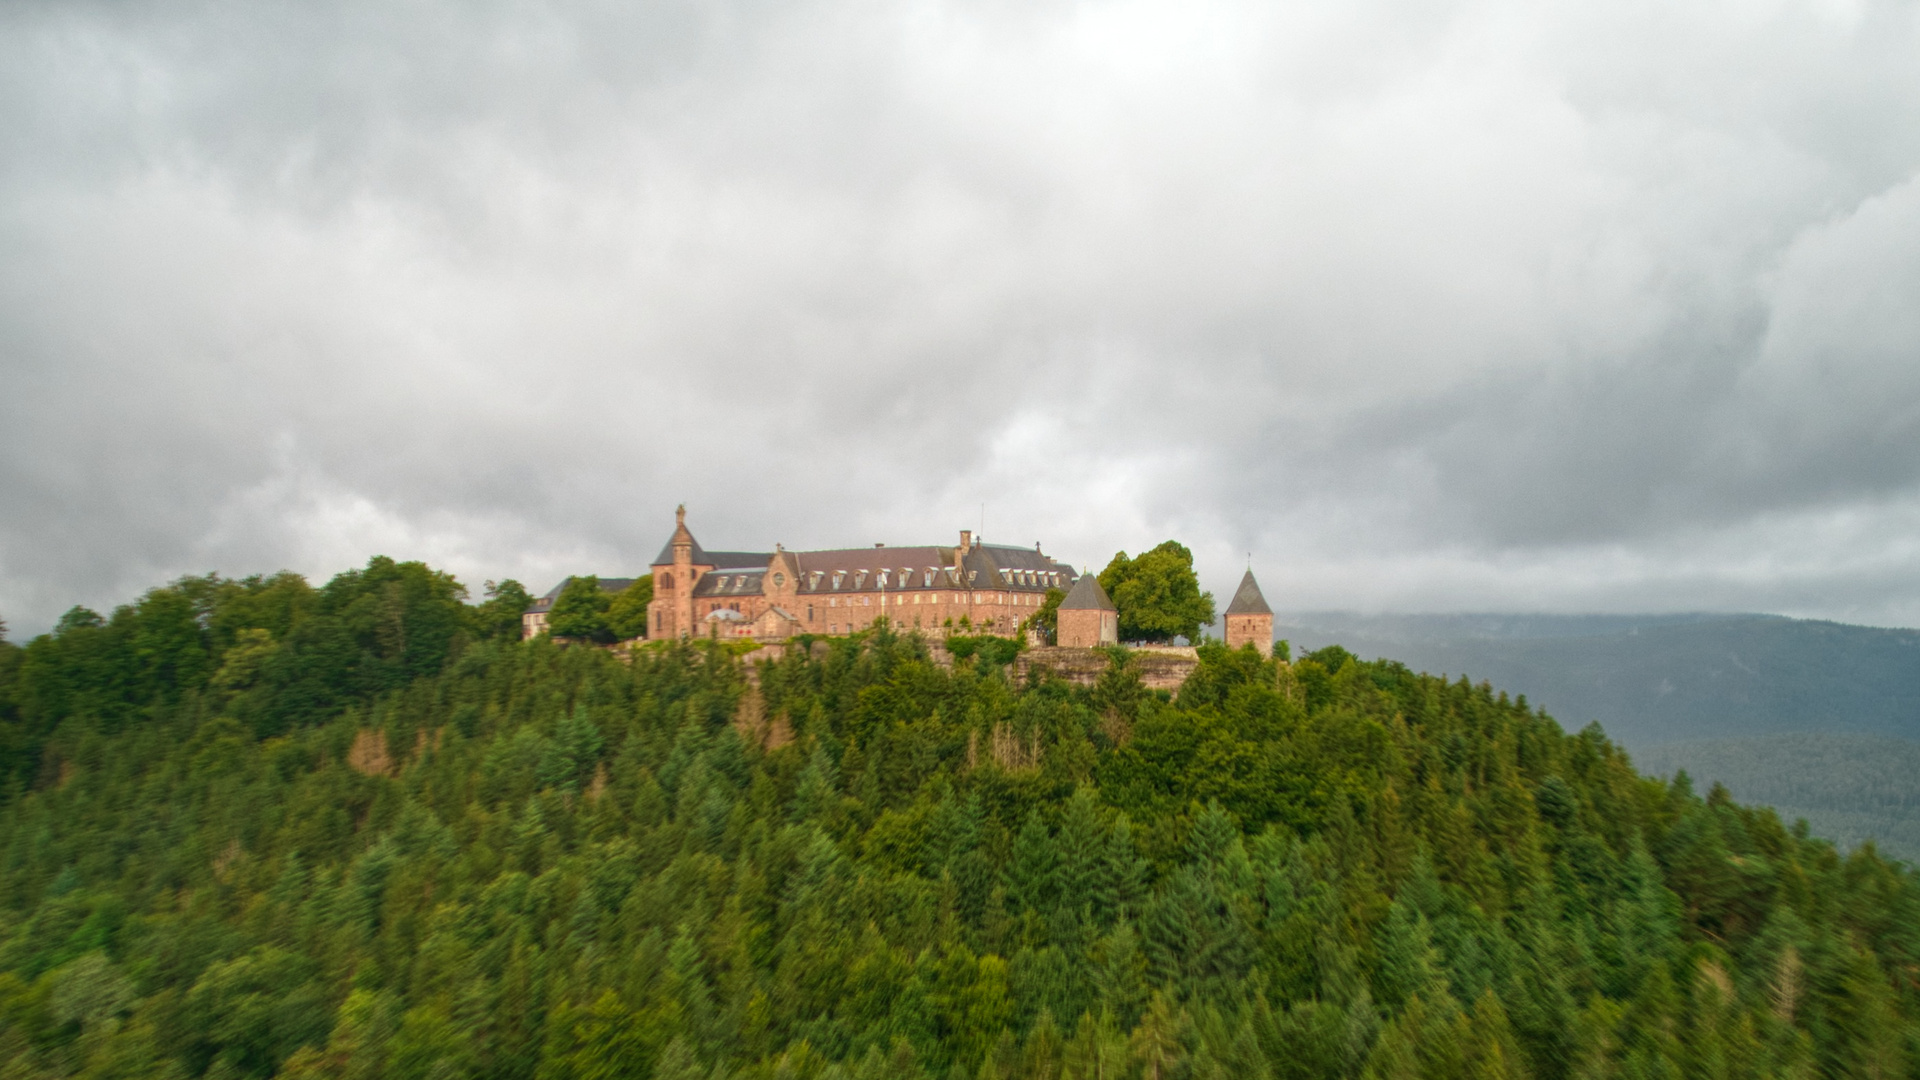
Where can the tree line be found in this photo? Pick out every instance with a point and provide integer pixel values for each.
(253, 828)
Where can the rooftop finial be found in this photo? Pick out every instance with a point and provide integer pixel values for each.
(680, 514)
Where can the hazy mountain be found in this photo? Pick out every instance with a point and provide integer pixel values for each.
(1819, 719)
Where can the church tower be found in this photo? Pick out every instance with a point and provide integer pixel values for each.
(1249, 619)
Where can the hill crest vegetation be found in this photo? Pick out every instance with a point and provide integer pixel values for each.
(252, 828)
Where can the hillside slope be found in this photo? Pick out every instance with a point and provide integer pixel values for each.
(257, 829)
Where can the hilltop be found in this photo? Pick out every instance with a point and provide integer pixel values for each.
(257, 828)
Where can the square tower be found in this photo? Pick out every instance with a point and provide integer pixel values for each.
(1248, 618)
(1087, 618)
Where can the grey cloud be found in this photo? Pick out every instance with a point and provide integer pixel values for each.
(1464, 305)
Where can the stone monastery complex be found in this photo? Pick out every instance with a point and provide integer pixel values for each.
(969, 587)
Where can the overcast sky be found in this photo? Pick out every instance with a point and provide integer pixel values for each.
(1582, 306)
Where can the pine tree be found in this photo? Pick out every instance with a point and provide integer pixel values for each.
(1033, 876)
(1097, 1051)
(1408, 962)
(1157, 1046)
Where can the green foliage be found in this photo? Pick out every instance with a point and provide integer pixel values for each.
(627, 614)
(499, 616)
(254, 828)
(580, 612)
(1046, 621)
(1158, 594)
(990, 648)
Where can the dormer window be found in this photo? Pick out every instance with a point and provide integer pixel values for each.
(882, 582)
(815, 580)
(837, 575)
(859, 578)
(973, 576)
(927, 581)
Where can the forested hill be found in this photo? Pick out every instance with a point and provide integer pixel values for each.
(1818, 719)
(254, 828)
(1653, 679)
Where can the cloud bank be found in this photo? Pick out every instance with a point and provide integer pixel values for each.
(1457, 305)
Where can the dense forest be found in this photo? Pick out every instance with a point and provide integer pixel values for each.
(253, 828)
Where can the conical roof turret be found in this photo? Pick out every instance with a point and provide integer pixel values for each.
(1087, 595)
(1247, 599)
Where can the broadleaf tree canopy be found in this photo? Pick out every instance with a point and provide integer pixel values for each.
(580, 611)
(627, 614)
(1158, 594)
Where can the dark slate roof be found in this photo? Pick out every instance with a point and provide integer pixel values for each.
(731, 582)
(1087, 595)
(736, 560)
(665, 558)
(1247, 599)
(716, 559)
(851, 561)
(1019, 558)
(986, 566)
(913, 568)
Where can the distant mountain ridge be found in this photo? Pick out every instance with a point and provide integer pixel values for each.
(1651, 679)
(1818, 719)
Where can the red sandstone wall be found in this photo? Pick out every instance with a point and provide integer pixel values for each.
(1257, 629)
(1088, 627)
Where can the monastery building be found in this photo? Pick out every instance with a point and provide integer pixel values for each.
(967, 587)
(770, 595)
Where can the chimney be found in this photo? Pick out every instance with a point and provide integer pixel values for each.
(966, 541)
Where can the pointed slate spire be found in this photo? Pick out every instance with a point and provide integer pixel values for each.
(1087, 595)
(1247, 599)
(681, 535)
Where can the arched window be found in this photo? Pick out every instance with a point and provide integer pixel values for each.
(666, 580)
